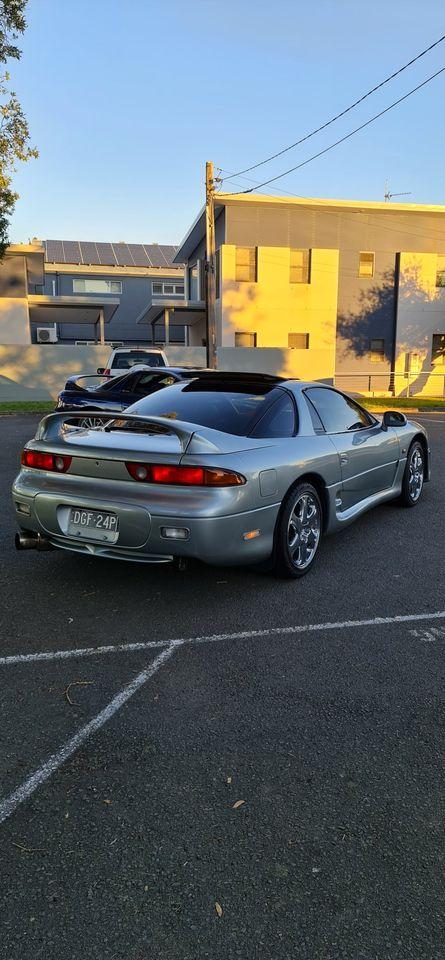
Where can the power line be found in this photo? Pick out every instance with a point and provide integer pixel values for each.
(348, 135)
(343, 112)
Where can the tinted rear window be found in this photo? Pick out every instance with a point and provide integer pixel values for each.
(123, 361)
(232, 408)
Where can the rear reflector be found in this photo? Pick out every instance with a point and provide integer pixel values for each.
(54, 462)
(183, 476)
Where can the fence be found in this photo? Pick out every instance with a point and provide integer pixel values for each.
(425, 383)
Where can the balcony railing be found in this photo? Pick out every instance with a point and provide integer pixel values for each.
(425, 383)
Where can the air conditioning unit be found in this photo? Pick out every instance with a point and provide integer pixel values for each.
(47, 334)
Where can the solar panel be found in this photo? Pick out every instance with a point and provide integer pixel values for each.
(123, 255)
(154, 254)
(54, 251)
(89, 252)
(169, 251)
(139, 255)
(106, 254)
(72, 251)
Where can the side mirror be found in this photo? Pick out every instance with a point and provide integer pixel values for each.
(392, 418)
(101, 371)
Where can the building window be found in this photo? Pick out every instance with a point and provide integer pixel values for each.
(300, 266)
(438, 348)
(440, 271)
(298, 341)
(168, 289)
(93, 285)
(246, 265)
(376, 351)
(245, 339)
(366, 264)
(193, 282)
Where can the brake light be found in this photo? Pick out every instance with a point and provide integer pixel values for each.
(183, 476)
(45, 461)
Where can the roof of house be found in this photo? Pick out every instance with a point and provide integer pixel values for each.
(197, 229)
(110, 254)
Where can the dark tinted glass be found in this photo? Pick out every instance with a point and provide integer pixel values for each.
(123, 361)
(149, 382)
(278, 421)
(222, 406)
(338, 413)
(316, 422)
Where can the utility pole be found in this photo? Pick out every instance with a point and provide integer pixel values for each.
(210, 267)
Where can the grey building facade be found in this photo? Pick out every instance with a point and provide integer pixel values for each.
(135, 274)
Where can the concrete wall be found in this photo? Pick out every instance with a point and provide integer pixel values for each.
(273, 307)
(14, 320)
(283, 362)
(39, 371)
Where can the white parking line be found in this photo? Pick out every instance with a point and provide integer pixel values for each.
(55, 761)
(22, 793)
(214, 638)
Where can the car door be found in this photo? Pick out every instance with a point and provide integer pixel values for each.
(368, 454)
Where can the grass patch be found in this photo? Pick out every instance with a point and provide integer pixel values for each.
(26, 406)
(400, 403)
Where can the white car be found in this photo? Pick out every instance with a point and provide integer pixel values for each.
(122, 359)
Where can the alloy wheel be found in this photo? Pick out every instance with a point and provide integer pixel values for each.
(416, 474)
(303, 531)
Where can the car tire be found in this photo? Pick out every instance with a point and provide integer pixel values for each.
(298, 532)
(414, 475)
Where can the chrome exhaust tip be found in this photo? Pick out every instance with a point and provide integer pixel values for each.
(31, 541)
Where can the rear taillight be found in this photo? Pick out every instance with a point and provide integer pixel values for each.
(183, 476)
(45, 461)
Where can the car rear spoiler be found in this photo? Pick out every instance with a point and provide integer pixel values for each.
(53, 427)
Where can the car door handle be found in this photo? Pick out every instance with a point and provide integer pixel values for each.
(344, 458)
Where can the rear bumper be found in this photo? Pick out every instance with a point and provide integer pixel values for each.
(215, 540)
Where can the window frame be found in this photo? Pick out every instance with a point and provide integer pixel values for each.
(381, 358)
(255, 263)
(366, 276)
(167, 283)
(374, 422)
(97, 293)
(307, 263)
(296, 333)
(245, 333)
(440, 271)
(437, 357)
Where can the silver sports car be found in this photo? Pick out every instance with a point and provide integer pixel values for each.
(230, 468)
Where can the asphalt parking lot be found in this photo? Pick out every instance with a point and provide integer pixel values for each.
(319, 704)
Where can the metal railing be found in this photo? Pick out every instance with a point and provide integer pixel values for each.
(393, 384)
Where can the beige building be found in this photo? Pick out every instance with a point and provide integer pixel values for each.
(351, 288)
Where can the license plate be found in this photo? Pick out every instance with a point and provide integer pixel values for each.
(94, 524)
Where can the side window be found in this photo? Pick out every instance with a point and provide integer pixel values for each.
(128, 384)
(278, 421)
(149, 382)
(338, 413)
(316, 422)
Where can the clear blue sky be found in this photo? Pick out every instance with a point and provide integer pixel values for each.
(126, 101)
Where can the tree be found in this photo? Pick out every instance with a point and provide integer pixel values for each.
(14, 131)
